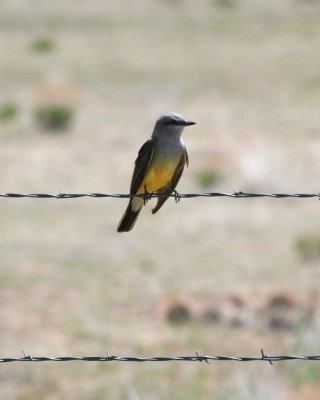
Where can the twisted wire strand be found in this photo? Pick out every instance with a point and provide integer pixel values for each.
(236, 194)
(196, 357)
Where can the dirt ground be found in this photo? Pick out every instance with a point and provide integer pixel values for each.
(217, 276)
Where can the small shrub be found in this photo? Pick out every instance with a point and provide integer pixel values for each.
(54, 117)
(42, 45)
(178, 314)
(212, 316)
(208, 177)
(280, 323)
(8, 110)
(281, 300)
(308, 248)
(227, 4)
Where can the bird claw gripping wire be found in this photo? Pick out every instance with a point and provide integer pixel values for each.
(177, 196)
(147, 196)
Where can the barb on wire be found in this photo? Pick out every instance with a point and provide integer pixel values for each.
(196, 357)
(237, 194)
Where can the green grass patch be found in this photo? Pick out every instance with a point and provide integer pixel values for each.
(302, 373)
(208, 177)
(42, 45)
(225, 4)
(8, 110)
(54, 117)
(308, 247)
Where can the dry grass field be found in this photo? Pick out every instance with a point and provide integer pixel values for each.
(246, 272)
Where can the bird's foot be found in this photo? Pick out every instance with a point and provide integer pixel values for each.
(147, 196)
(177, 196)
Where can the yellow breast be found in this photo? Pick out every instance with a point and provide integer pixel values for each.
(157, 177)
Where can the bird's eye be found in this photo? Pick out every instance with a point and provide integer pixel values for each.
(174, 121)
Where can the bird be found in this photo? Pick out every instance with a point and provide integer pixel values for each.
(158, 167)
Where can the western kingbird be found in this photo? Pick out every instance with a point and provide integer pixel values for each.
(158, 167)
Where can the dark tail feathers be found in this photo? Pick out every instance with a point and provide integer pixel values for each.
(128, 219)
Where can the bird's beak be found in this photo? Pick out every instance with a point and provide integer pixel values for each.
(188, 123)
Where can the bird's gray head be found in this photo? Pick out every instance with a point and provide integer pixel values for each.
(172, 123)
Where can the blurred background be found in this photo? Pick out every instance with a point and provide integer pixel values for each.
(81, 85)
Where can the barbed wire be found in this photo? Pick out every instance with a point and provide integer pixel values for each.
(177, 196)
(196, 357)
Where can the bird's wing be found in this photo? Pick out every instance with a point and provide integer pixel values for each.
(187, 157)
(141, 164)
(167, 190)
